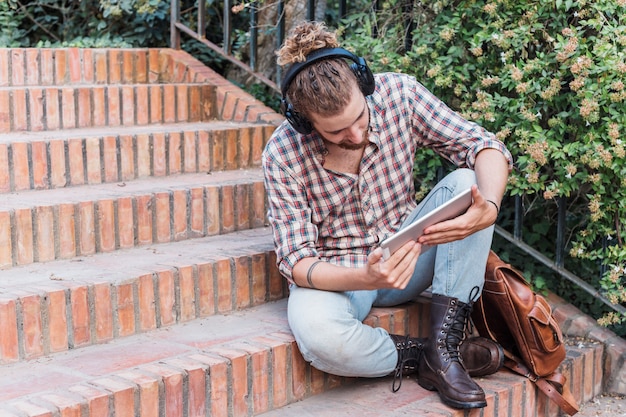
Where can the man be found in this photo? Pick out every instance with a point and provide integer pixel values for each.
(338, 175)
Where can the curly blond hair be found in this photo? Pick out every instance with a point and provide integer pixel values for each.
(324, 87)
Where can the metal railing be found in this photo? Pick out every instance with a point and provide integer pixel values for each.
(225, 51)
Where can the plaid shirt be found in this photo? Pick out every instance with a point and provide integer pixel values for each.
(340, 217)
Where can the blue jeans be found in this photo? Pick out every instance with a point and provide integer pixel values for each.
(328, 326)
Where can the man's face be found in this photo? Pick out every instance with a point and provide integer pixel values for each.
(348, 129)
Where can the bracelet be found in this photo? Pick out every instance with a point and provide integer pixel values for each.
(309, 280)
(495, 205)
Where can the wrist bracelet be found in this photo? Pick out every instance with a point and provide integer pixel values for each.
(309, 279)
(495, 205)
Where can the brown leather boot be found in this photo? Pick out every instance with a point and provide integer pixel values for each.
(409, 353)
(441, 367)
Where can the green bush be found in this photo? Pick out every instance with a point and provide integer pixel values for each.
(549, 78)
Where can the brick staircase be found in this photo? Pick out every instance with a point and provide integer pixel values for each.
(137, 275)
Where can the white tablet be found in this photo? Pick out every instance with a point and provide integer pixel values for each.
(449, 210)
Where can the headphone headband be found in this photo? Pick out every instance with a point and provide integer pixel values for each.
(315, 56)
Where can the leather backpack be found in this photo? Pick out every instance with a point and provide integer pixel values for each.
(520, 320)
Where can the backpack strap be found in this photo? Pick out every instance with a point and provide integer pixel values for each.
(552, 385)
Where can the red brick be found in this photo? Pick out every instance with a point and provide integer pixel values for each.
(244, 149)
(258, 278)
(208, 111)
(9, 351)
(105, 216)
(276, 280)
(5, 111)
(87, 227)
(159, 162)
(98, 401)
(258, 210)
(169, 103)
(280, 366)
(128, 66)
(100, 64)
(32, 410)
(103, 312)
(228, 208)
(125, 223)
(46, 66)
(115, 66)
(242, 197)
(175, 153)
(68, 108)
(179, 214)
(206, 293)
(173, 387)
(144, 219)
(186, 287)
(57, 163)
(128, 105)
(196, 212)
(4, 67)
(20, 112)
(126, 157)
(218, 140)
(67, 407)
(260, 371)
(189, 153)
(238, 381)
(123, 395)
(154, 65)
(44, 225)
(147, 313)
(23, 225)
(203, 152)
(162, 216)
(223, 276)
(99, 106)
(74, 65)
(141, 66)
(125, 309)
(21, 169)
(76, 163)
(156, 103)
(39, 160)
(242, 282)
(18, 76)
(36, 109)
(114, 111)
(213, 216)
(87, 65)
(195, 104)
(66, 230)
(182, 102)
(218, 388)
(32, 325)
(53, 109)
(57, 320)
(142, 108)
(142, 144)
(109, 152)
(92, 155)
(79, 305)
(229, 105)
(148, 387)
(166, 298)
(5, 174)
(84, 111)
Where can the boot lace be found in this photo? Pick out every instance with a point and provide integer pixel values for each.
(409, 352)
(457, 332)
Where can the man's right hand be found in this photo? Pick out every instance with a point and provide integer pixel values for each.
(394, 272)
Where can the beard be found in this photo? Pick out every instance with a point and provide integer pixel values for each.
(351, 146)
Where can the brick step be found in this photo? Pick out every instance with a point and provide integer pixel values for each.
(36, 108)
(43, 225)
(72, 66)
(246, 363)
(42, 160)
(61, 305)
(237, 364)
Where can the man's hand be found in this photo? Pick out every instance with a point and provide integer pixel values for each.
(480, 215)
(394, 272)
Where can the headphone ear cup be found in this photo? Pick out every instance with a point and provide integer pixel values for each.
(364, 76)
(300, 123)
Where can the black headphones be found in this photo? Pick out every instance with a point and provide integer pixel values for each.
(363, 74)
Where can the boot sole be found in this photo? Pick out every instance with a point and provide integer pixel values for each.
(449, 401)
